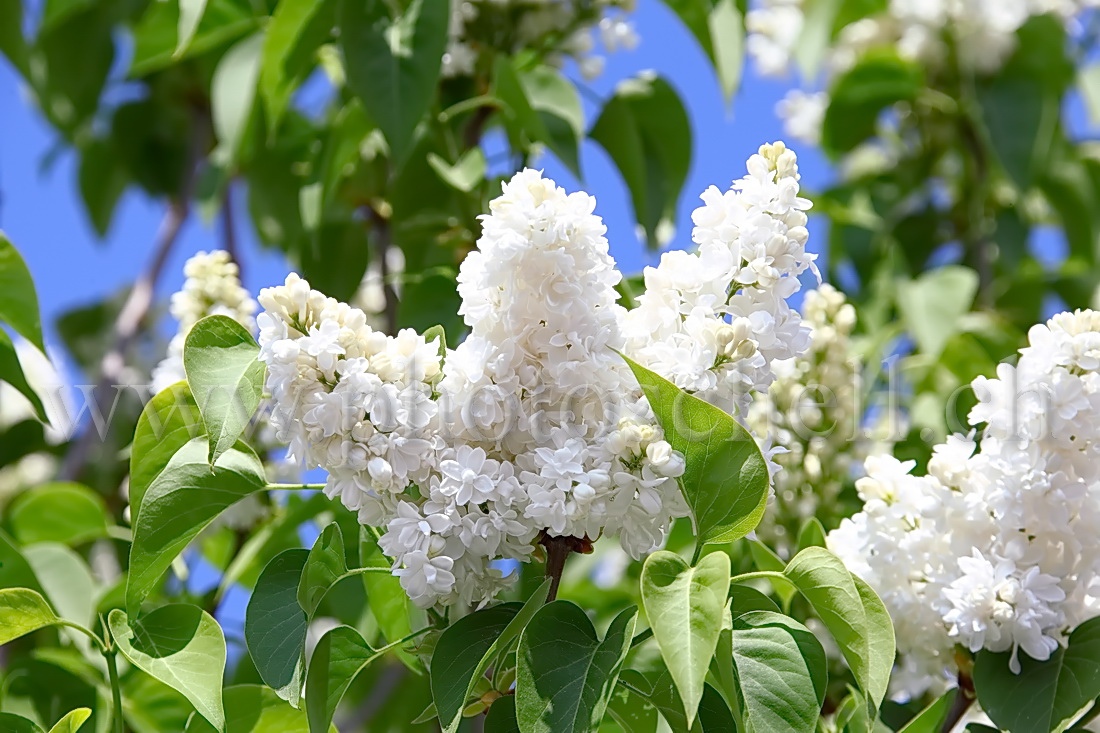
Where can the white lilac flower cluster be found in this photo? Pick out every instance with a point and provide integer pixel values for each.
(996, 547)
(714, 321)
(533, 426)
(567, 26)
(813, 412)
(982, 31)
(212, 287)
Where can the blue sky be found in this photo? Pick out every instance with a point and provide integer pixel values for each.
(41, 211)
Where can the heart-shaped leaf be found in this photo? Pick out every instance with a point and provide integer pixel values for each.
(182, 646)
(324, 568)
(685, 606)
(58, 512)
(340, 656)
(18, 300)
(226, 377)
(22, 611)
(565, 673)
(275, 624)
(852, 612)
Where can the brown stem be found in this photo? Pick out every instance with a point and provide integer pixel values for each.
(963, 700)
(382, 243)
(557, 551)
(471, 136)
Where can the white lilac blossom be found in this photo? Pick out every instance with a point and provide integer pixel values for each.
(714, 321)
(212, 287)
(813, 413)
(533, 426)
(996, 547)
(567, 28)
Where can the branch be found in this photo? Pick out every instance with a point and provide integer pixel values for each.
(557, 552)
(963, 700)
(140, 300)
(382, 242)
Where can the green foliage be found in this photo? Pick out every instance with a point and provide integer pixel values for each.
(646, 131)
(182, 646)
(781, 673)
(18, 300)
(339, 657)
(857, 98)
(1043, 696)
(393, 64)
(226, 378)
(255, 709)
(167, 423)
(566, 673)
(58, 512)
(853, 614)
(187, 495)
(726, 480)
(23, 611)
(275, 624)
(686, 608)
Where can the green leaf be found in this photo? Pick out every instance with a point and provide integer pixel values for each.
(156, 35)
(340, 656)
(11, 371)
(852, 613)
(719, 29)
(226, 376)
(815, 36)
(781, 673)
(878, 81)
(812, 534)
(726, 479)
(931, 719)
(232, 93)
(565, 673)
(393, 66)
(167, 423)
(12, 723)
(296, 30)
(18, 301)
(467, 647)
(103, 179)
(187, 495)
(744, 598)
(182, 646)
(275, 625)
(14, 569)
(463, 653)
(388, 601)
(1088, 80)
(558, 119)
(645, 129)
(22, 611)
(501, 717)
(466, 173)
(657, 689)
(58, 512)
(67, 582)
(1045, 696)
(72, 722)
(325, 566)
(191, 12)
(933, 304)
(1021, 105)
(12, 43)
(685, 606)
(255, 709)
